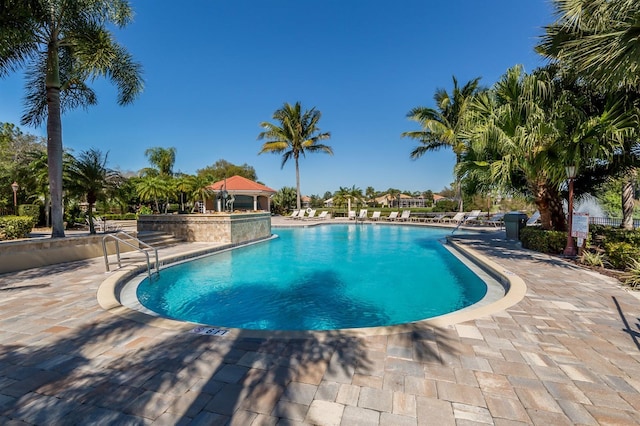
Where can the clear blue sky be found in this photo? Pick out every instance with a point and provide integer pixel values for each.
(214, 70)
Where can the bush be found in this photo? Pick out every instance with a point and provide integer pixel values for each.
(445, 206)
(32, 210)
(621, 254)
(14, 227)
(538, 239)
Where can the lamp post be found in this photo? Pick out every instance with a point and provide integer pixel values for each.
(15, 187)
(570, 249)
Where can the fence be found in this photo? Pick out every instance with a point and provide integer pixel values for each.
(611, 221)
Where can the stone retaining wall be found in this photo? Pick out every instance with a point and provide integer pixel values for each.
(217, 227)
(31, 253)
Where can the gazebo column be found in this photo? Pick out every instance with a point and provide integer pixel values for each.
(255, 202)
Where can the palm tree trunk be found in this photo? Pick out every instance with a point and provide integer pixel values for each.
(628, 202)
(54, 160)
(549, 204)
(92, 228)
(298, 198)
(459, 185)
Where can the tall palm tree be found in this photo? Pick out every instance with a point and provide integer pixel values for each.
(90, 176)
(599, 40)
(62, 44)
(296, 134)
(162, 159)
(445, 125)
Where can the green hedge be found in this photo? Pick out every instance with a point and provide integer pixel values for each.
(32, 210)
(14, 227)
(535, 238)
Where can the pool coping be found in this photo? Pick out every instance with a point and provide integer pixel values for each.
(514, 286)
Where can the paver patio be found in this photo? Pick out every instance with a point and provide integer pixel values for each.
(568, 353)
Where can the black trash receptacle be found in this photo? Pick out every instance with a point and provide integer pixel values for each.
(513, 223)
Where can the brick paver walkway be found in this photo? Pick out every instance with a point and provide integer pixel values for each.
(568, 353)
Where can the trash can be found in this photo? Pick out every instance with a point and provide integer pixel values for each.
(513, 223)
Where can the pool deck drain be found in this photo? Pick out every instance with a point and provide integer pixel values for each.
(567, 353)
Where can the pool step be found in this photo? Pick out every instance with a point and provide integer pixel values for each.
(158, 239)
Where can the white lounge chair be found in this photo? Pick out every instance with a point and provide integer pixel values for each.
(392, 216)
(352, 214)
(471, 217)
(535, 217)
(405, 216)
(293, 214)
(375, 215)
(434, 219)
(323, 215)
(459, 217)
(311, 215)
(496, 220)
(301, 215)
(363, 214)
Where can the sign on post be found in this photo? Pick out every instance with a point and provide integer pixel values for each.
(580, 226)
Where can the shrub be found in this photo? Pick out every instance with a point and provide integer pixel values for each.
(592, 258)
(632, 276)
(535, 238)
(445, 206)
(621, 254)
(14, 227)
(145, 210)
(32, 210)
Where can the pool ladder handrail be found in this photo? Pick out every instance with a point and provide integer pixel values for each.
(119, 237)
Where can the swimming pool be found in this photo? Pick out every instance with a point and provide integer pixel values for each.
(319, 278)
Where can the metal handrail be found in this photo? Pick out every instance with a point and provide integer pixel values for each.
(117, 237)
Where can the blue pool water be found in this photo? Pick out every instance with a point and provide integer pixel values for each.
(319, 278)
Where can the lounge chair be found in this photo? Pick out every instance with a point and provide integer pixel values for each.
(496, 220)
(459, 217)
(363, 214)
(471, 217)
(301, 215)
(535, 217)
(311, 215)
(323, 215)
(405, 216)
(392, 216)
(352, 214)
(101, 225)
(434, 219)
(293, 214)
(375, 215)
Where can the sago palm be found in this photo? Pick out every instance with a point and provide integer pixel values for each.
(296, 133)
(62, 44)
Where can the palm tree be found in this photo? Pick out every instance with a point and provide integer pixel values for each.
(199, 189)
(152, 188)
(162, 159)
(62, 44)
(283, 199)
(90, 176)
(445, 125)
(297, 134)
(530, 127)
(599, 40)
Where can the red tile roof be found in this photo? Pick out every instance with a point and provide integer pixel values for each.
(239, 183)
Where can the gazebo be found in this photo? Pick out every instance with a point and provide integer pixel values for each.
(242, 194)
